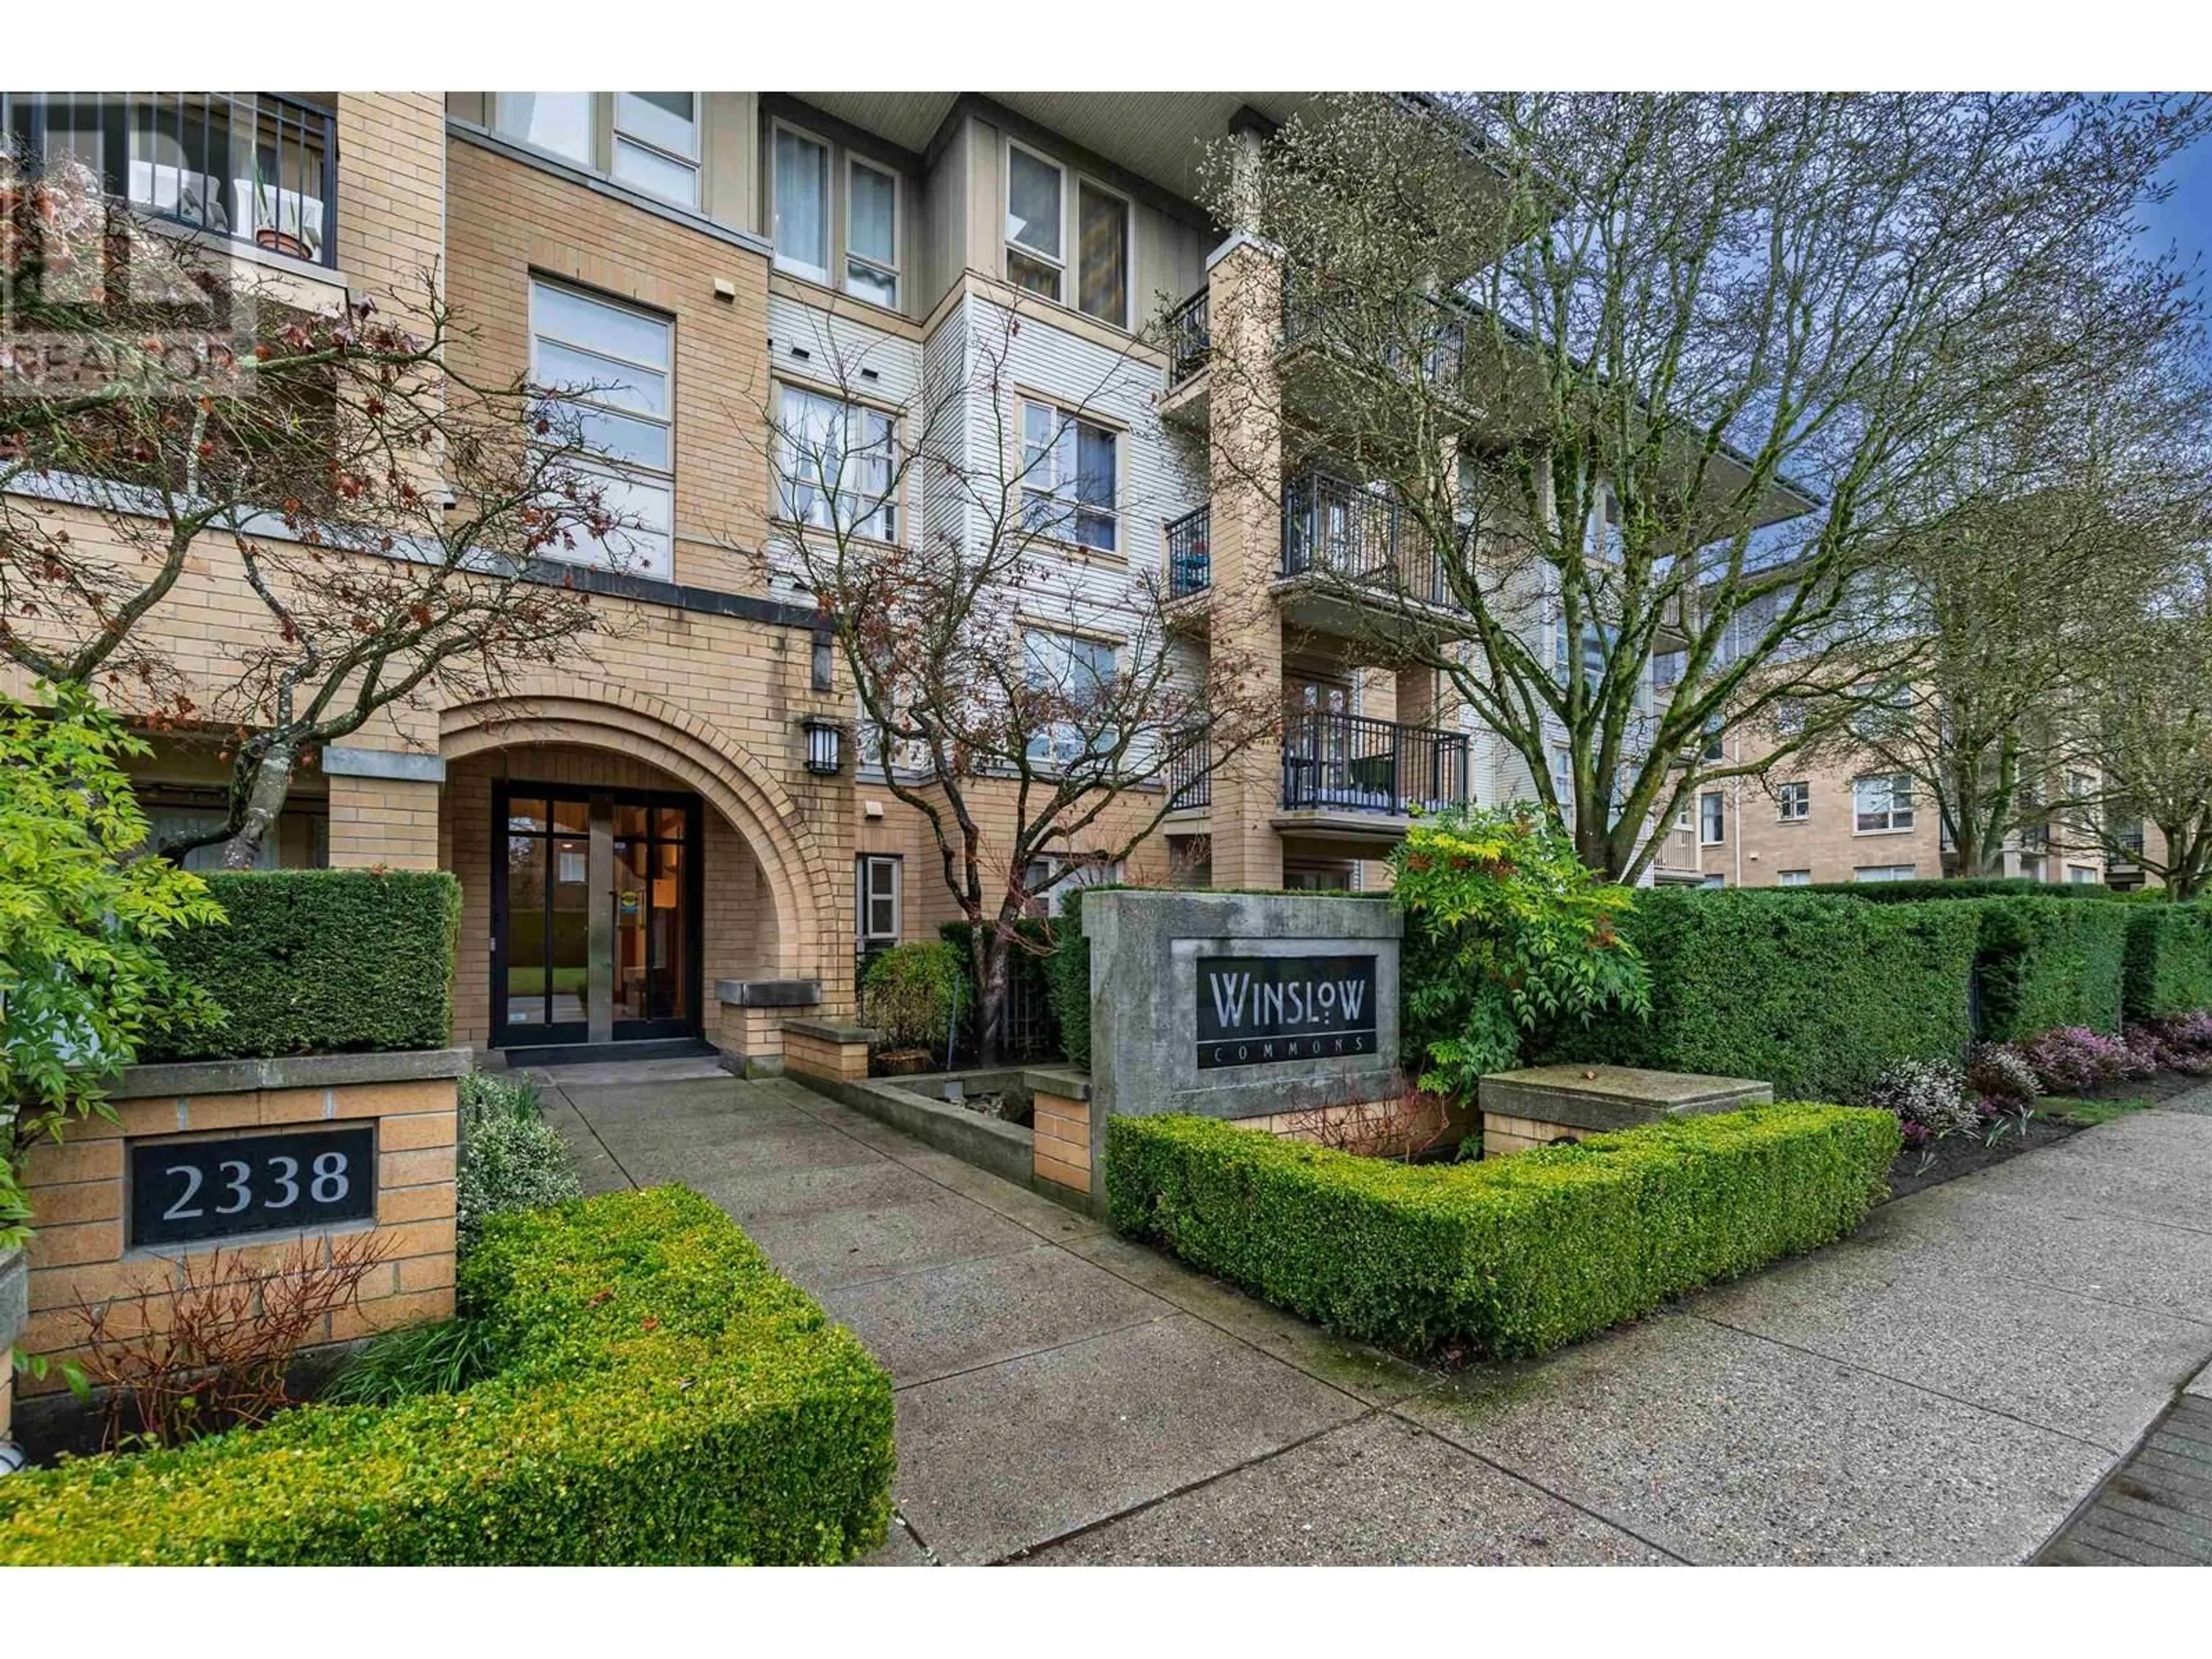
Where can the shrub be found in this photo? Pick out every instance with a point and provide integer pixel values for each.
(912, 993)
(1815, 994)
(1996, 1073)
(1067, 980)
(1029, 980)
(1957, 887)
(323, 962)
(2073, 1057)
(2045, 962)
(2169, 960)
(511, 1158)
(1507, 1256)
(396, 1365)
(1928, 1097)
(1506, 929)
(658, 1394)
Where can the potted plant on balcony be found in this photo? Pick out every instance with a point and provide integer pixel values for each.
(285, 221)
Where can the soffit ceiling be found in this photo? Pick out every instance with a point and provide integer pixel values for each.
(1157, 136)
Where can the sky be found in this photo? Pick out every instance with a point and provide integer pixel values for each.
(2184, 218)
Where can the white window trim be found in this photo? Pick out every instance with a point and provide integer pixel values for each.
(1064, 416)
(895, 269)
(1705, 840)
(633, 471)
(1782, 877)
(1069, 262)
(1893, 828)
(589, 160)
(869, 862)
(692, 162)
(894, 504)
(781, 261)
(1053, 759)
(1072, 209)
(1782, 812)
(1011, 243)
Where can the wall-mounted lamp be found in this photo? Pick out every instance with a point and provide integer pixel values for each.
(825, 747)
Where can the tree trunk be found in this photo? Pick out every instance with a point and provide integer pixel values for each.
(991, 1008)
(264, 801)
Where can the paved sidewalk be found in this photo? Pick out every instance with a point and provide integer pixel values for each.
(1947, 1386)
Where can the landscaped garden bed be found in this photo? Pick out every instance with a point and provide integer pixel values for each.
(653, 1392)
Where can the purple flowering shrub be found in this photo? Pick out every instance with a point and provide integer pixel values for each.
(1996, 1073)
(2073, 1057)
(1929, 1098)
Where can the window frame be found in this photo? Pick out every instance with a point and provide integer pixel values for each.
(589, 159)
(1875, 872)
(1793, 878)
(1074, 213)
(694, 164)
(1068, 263)
(1058, 756)
(1713, 809)
(889, 512)
(1010, 243)
(1068, 423)
(820, 275)
(868, 865)
(1890, 826)
(895, 269)
(1802, 798)
(636, 474)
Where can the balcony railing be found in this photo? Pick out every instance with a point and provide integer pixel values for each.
(1190, 565)
(1189, 340)
(1334, 527)
(251, 166)
(1349, 763)
(1190, 776)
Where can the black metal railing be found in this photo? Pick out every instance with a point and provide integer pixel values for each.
(1189, 339)
(252, 167)
(1334, 527)
(1190, 564)
(1347, 762)
(1190, 776)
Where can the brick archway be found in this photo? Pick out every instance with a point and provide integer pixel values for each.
(799, 881)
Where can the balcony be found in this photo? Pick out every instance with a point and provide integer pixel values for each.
(255, 167)
(1189, 340)
(1338, 531)
(1348, 778)
(1190, 565)
(1190, 778)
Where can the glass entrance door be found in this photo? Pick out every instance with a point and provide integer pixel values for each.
(595, 916)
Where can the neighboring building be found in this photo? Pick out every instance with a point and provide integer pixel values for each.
(677, 815)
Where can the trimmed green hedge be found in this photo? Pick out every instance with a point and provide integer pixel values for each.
(1812, 992)
(2169, 960)
(323, 962)
(2042, 963)
(1958, 887)
(1511, 1256)
(659, 1396)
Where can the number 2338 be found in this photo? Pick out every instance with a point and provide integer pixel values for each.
(207, 1188)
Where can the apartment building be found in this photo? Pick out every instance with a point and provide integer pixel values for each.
(678, 837)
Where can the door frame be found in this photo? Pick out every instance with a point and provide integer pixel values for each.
(503, 791)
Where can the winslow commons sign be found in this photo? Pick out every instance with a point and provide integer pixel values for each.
(1257, 1011)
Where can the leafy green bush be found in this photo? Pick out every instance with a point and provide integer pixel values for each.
(2044, 964)
(912, 993)
(657, 1394)
(1814, 993)
(1506, 929)
(397, 1365)
(1958, 887)
(1510, 1256)
(1067, 980)
(511, 1158)
(2169, 961)
(323, 962)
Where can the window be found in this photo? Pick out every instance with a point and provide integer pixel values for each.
(1073, 676)
(166, 826)
(1714, 881)
(2127, 834)
(878, 882)
(1667, 667)
(836, 464)
(1712, 818)
(1070, 478)
(870, 232)
(800, 188)
(1563, 782)
(1683, 816)
(616, 361)
(1102, 249)
(1788, 716)
(1885, 873)
(560, 122)
(1716, 740)
(1793, 878)
(2081, 875)
(1794, 802)
(1052, 878)
(1597, 647)
(657, 144)
(1034, 260)
(1883, 801)
(2031, 867)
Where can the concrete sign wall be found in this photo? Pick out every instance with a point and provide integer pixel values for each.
(1237, 1004)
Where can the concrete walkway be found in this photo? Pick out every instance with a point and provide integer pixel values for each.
(1947, 1386)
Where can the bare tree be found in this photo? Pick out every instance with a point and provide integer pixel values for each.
(392, 517)
(1657, 381)
(1009, 634)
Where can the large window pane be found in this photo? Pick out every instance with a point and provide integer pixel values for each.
(672, 181)
(1033, 202)
(874, 230)
(563, 314)
(668, 119)
(802, 199)
(556, 121)
(604, 380)
(1103, 274)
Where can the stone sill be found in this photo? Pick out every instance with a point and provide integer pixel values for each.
(229, 1077)
(768, 993)
(830, 1031)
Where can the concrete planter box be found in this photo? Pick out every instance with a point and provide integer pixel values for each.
(1547, 1103)
(917, 1106)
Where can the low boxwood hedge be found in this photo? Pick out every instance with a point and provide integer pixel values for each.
(2044, 963)
(1510, 1256)
(1959, 887)
(322, 962)
(2169, 960)
(1814, 993)
(659, 1396)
